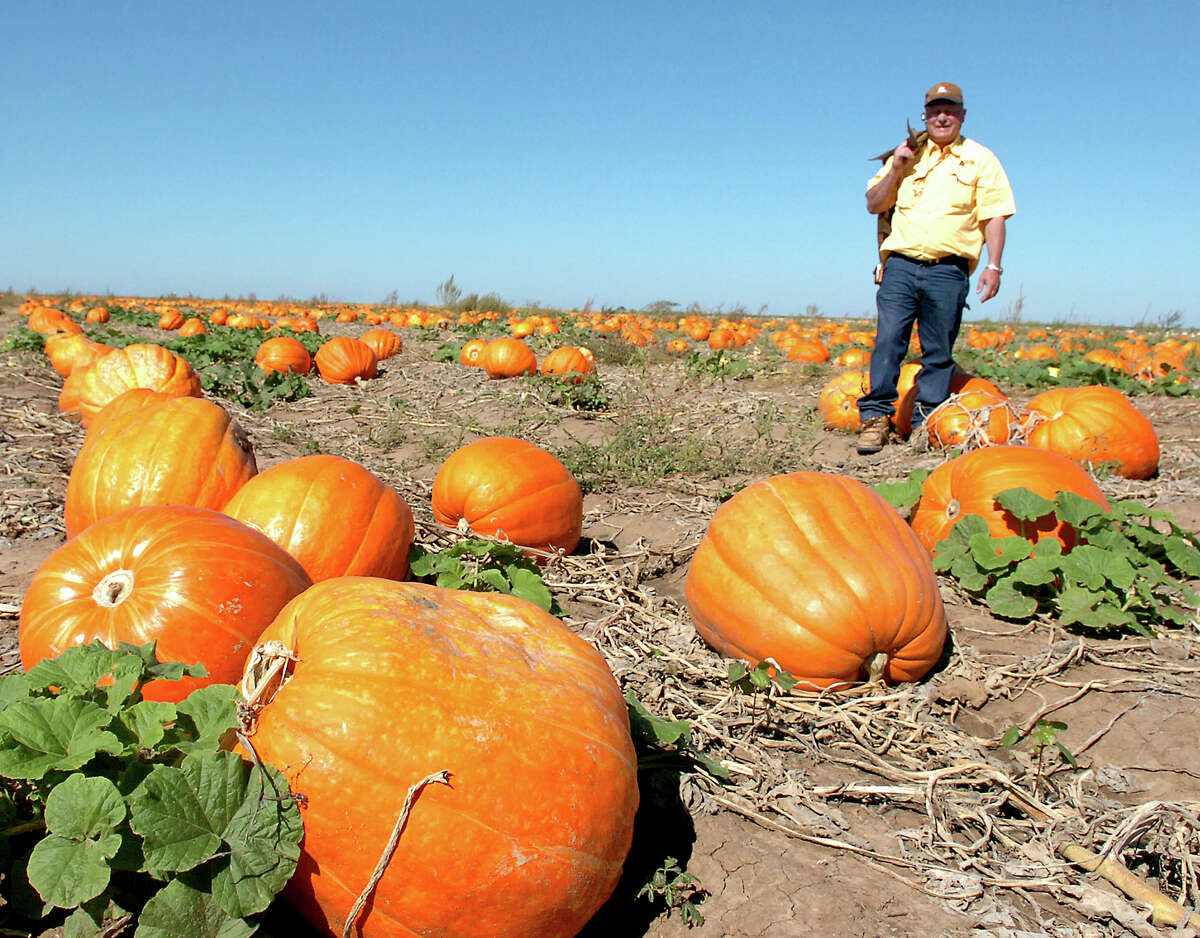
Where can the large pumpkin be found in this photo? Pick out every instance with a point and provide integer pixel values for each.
(822, 575)
(173, 451)
(1094, 425)
(343, 360)
(283, 354)
(968, 485)
(333, 515)
(502, 485)
(135, 366)
(201, 584)
(392, 682)
(508, 358)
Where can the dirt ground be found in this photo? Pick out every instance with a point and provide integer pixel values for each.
(833, 827)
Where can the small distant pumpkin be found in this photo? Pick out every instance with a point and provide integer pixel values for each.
(508, 358)
(343, 360)
(193, 325)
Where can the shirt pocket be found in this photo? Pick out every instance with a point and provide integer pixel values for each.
(963, 179)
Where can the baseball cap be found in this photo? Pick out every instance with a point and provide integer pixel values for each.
(944, 91)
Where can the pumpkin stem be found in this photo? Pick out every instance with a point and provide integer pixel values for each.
(114, 589)
(875, 667)
(952, 509)
(441, 777)
(266, 672)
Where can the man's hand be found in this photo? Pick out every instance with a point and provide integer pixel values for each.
(901, 157)
(988, 286)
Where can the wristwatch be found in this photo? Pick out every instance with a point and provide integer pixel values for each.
(998, 270)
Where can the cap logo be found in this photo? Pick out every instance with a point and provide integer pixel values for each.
(942, 88)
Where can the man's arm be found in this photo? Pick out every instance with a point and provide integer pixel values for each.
(882, 195)
(993, 237)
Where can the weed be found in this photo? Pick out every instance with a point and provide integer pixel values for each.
(677, 889)
(1044, 736)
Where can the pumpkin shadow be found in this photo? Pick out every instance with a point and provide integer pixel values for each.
(662, 829)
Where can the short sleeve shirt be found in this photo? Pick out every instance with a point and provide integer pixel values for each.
(945, 199)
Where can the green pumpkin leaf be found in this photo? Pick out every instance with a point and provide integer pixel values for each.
(968, 575)
(215, 804)
(1036, 571)
(53, 733)
(180, 813)
(528, 584)
(1086, 566)
(263, 840)
(903, 495)
(1183, 555)
(147, 721)
(1077, 511)
(1118, 570)
(645, 724)
(995, 553)
(1004, 600)
(179, 909)
(69, 866)
(1024, 504)
(209, 713)
(13, 687)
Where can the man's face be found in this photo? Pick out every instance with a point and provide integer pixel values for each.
(944, 120)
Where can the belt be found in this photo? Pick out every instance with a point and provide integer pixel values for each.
(960, 262)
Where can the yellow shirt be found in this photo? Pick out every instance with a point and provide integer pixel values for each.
(944, 199)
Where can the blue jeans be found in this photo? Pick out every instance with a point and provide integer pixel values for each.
(933, 296)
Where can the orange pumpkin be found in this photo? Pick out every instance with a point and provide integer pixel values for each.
(838, 401)
(501, 485)
(283, 354)
(968, 485)
(529, 835)
(1094, 425)
(978, 415)
(821, 574)
(343, 360)
(170, 320)
(177, 451)
(383, 342)
(508, 358)
(69, 350)
(471, 354)
(333, 515)
(46, 321)
(135, 366)
(201, 584)
(98, 314)
(808, 350)
(192, 326)
(569, 364)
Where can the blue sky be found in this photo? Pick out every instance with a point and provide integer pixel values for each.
(617, 153)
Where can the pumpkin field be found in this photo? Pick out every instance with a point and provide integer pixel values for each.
(551, 622)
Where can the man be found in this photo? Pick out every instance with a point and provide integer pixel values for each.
(950, 198)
